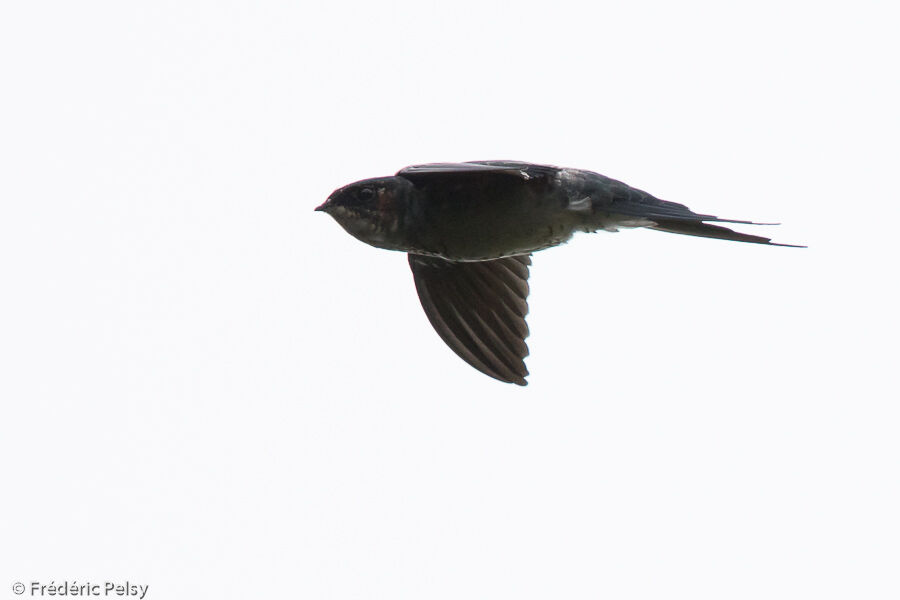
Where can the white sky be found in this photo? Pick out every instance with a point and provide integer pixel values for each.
(212, 390)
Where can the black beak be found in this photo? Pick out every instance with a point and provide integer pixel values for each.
(322, 206)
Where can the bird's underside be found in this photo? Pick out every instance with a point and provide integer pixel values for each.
(475, 225)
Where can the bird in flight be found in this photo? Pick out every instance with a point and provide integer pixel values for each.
(469, 230)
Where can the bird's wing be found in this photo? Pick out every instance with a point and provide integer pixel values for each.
(522, 170)
(478, 309)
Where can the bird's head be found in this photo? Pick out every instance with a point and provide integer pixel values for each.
(371, 210)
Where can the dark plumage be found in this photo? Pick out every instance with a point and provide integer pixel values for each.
(470, 228)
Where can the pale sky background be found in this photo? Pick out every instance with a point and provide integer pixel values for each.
(212, 390)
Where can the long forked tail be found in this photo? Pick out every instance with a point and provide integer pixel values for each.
(701, 229)
(614, 197)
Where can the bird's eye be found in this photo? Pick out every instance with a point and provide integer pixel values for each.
(366, 194)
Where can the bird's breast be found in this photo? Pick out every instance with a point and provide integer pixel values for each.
(475, 224)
